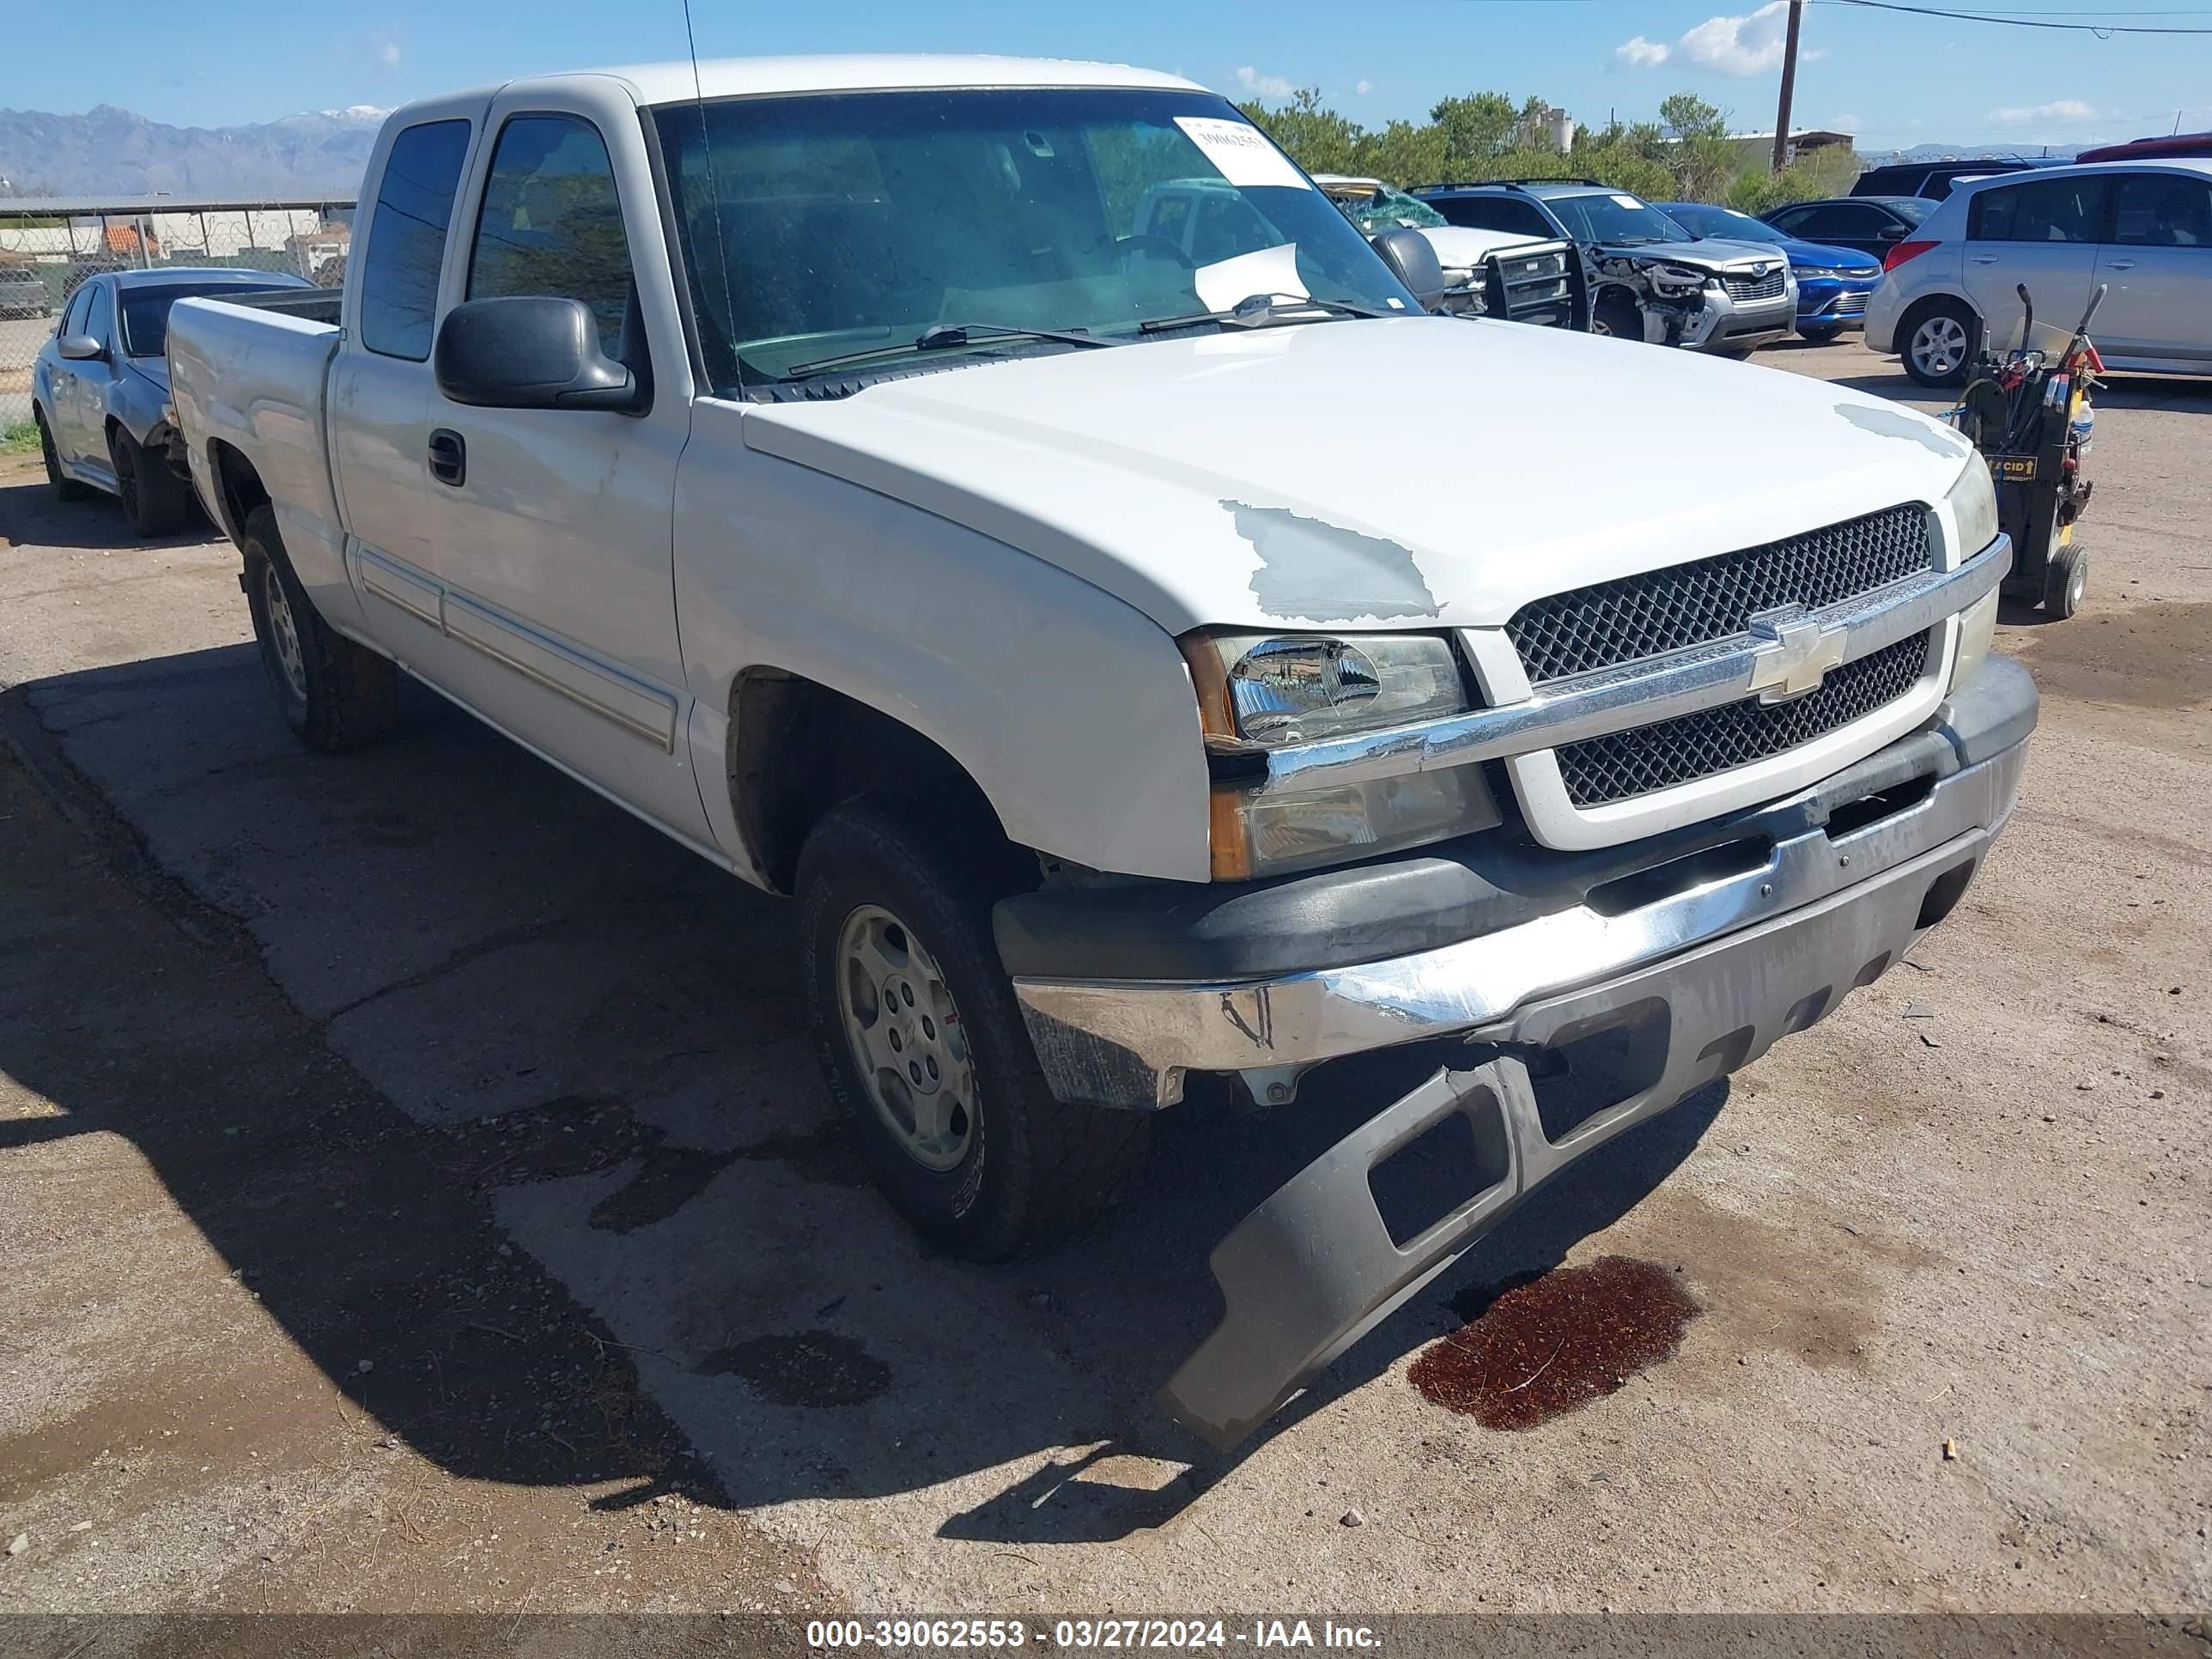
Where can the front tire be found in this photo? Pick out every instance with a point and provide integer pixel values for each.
(334, 694)
(1616, 318)
(65, 488)
(922, 1043)
(155, 499)
(1938, 343)
(1819, 336)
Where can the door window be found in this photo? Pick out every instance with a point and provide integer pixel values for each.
(2047, 211)
(551, 222)
(407, 238)
(1836, 221)
(2163, 209)
(80, 308)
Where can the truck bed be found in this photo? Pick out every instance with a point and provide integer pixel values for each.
(250, 373)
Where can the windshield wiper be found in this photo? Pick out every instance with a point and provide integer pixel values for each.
(939, 337)
(1258, 310)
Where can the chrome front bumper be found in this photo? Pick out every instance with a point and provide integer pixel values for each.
(1129, 1042)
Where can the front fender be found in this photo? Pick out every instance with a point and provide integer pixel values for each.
(1072, 711)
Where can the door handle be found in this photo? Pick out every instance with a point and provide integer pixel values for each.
(1981, 258)
(2119, 265)
(449, 457)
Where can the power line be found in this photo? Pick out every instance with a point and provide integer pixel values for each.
(2102, 31)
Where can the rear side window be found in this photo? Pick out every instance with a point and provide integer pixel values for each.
(407, 238)
(1493, 212)
(2163, 209)
(551, 222)
(2049, 211)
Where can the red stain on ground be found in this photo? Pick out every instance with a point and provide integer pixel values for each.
(1554, 1344)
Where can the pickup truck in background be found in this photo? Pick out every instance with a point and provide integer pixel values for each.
(820, 460)
(1487, 273)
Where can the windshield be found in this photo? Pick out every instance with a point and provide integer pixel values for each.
(146, 310)
(1720, 221)
(1912, 209)
(1613, 217)
(1391, 210)
(825, 225)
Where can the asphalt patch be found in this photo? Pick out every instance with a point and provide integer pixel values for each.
(802, 1368)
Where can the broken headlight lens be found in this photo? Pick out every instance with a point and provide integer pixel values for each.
(1973, 503)
(1270, 690)
(1259, 691)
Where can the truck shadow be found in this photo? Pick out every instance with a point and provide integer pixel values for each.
(31, 516)
(516, 1100)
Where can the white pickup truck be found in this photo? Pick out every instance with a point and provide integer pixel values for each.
(1134, 667)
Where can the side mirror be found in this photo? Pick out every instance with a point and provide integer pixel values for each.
(1891, 233)
(79, 348)
(530, 351)
(1413, 262)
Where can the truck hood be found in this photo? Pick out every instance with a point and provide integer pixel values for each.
(1463, 247)
(1392, 473)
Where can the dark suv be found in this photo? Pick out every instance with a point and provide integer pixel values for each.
(1932, 180)
(1650, 279)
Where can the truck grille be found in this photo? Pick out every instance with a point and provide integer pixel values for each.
(1768, 287)
(1625, 621)
(1626, 764)
(1536, 285)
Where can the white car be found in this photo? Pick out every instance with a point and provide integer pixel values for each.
(1137, 655)
(2143, 229)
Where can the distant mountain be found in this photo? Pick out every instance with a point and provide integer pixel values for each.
(1973, 153)
(109, 151)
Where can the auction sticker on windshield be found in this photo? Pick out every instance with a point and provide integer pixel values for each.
(1242, 152)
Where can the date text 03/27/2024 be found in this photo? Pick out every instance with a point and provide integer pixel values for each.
(1142, 1634)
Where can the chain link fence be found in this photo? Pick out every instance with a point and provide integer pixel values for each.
(46, 249)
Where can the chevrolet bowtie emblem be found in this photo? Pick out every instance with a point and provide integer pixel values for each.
(1793, 653)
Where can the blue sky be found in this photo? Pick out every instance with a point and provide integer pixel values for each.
(1894, 80)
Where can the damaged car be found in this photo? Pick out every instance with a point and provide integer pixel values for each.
(902, 514)
(1649, 278)
(1487, 273)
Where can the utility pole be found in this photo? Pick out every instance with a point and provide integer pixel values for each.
(1789, 86)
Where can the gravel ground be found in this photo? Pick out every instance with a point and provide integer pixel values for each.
(417, 1195)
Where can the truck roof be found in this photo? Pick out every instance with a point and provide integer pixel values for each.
(736, 77)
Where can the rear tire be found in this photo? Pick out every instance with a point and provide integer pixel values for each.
(1936, 342)
(2065, 581)
(65, 488)
(335, 695)
(901, 974)
(155, 499)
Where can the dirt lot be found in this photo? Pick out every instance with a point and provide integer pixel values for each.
(416, 1194)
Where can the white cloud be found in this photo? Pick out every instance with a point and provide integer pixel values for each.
(2064, 109)
(1640, 53)
(1850, 123)
(1364, 87)
(1263, 86)
(1749, 44)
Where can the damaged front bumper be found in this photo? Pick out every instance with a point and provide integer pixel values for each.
(1698, 963)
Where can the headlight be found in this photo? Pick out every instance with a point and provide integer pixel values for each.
(1973, 503)
(1977, 627)
(1675, 279)
(1277, 689)
(1259, 691)
(1804, 271)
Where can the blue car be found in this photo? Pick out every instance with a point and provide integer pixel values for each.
(1833, 282)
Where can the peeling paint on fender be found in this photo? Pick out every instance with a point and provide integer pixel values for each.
(1321, 571)
(1896, 423)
